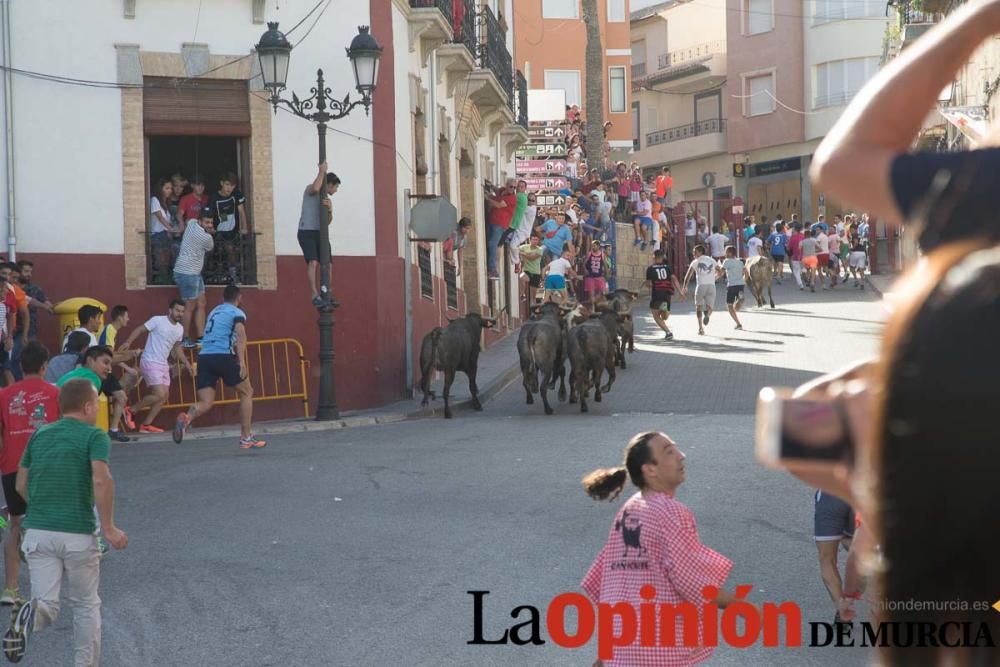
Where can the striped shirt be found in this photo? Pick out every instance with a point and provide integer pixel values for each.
(60, 478)
(194, 245)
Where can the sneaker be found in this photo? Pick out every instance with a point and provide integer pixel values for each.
(669, 335)
(129, 419)
(704, 320)
(9, 597)
(180, 426)
(739, 327)
(812, 289)
(233, 277)
(189, 344)
(251, 442)
(637, 242)
(149, 428)
(118, 436)
(494, 275)
(643, 246)
(16, 640)
(317, 301)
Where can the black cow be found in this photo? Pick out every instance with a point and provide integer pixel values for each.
(451, 349)
(540, 347)
(591, 350)
(621, 302)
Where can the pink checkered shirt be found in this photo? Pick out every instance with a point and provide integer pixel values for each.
(660, 531)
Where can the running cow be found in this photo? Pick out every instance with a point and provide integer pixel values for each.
(540, 347)
(760, 270)
(621, 301)
(451, 349)
(591, 348)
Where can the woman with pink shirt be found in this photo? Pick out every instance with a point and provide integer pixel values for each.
(654, 544)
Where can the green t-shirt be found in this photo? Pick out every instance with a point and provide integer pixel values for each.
(60, 482)
(522, 204)
(81, 373)
(531, 258)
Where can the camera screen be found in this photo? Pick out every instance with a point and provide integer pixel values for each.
(814, 431)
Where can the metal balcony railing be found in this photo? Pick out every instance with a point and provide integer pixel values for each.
(522, 100)
(679, 56)
(638, 69)
(710, 126)
(465, 30)
(447, 7)
(493, 53)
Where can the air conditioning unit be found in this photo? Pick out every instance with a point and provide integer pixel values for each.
(708, 179)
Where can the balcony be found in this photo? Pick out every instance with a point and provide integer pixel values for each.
(430, 24)
(493, 53)
(521, 93)
(458, 56)
(491, 84)
(685, 142)
(689, 69)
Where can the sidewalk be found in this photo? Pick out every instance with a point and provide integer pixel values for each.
(882, 284)
(498, 366)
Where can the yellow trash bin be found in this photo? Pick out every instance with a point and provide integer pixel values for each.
(67, 310)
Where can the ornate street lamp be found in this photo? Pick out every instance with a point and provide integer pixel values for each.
(321, 107)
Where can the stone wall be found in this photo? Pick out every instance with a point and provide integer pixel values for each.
(632, 262)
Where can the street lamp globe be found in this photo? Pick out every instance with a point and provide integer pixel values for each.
(364, 54)
(274, 51)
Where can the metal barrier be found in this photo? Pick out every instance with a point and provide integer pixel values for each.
(286, 381)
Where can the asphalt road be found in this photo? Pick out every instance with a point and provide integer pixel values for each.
(358, 547)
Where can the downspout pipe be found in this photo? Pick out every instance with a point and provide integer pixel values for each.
(8, 118)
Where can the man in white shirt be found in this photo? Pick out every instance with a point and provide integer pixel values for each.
(164, 341)
(90, 323)
(822, 254)
(706, 271)
(555, 274)
(717, 244)
(690, 234)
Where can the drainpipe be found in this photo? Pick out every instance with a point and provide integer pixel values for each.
(8, 117)
(408, 292)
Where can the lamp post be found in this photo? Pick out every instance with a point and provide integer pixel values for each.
(320, 108)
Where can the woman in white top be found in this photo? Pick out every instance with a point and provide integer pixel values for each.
(160, 227)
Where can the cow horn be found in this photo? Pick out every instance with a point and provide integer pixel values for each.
(635, 295)
(489, 323)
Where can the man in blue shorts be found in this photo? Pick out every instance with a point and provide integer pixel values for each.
(223, 356)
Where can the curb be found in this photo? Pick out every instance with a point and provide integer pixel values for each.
(497, 385)
(874, 287)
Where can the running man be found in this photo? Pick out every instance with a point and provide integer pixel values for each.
(705, 271)
(736, 274)
(777, 241)
(24, 408)
(63, 474)
(164, 340)
(653, 554)
(809, 259)
(663, 285)
(223, 356)
(555, 274)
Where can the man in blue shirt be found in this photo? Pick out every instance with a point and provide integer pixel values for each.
(556, 236)
(223, 356)
(777, 241)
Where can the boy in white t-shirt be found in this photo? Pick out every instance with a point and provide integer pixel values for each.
(555, 274)
(164, 340)
(705, 270)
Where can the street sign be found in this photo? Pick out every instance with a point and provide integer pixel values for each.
(536, 184)
(541, 166)
(551, 200)
(541, 150)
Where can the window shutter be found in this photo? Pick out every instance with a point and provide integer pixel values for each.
(207, 107)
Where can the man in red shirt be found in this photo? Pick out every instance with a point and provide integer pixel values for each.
(191, 204)
(501, 205)
(24, 407)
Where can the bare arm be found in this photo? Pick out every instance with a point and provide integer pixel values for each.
(104, 500)
(131, 338)
(244, 221)
(853, 162)
(317, 183)
(240, 332)
(181, 357)
(21, 482)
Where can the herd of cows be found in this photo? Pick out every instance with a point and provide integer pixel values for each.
(593, 341)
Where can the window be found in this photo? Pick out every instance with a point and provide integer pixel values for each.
(566, 80)
(636, 122)
(759, 16)
(617, 89)
(451, 284)
(638, 59)
(616, 11)
(426, 275)
(760, 90)
(652, 119)
(840, 80)
(838, 10)
(559, 9)
(204, 129)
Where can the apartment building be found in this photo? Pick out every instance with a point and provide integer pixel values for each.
(792, 69)
(550, 43)
(679, 105)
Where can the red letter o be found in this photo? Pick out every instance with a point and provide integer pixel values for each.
(555, 620)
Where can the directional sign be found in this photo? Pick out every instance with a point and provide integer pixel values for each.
(541, 166)
(551, 200)
(536, 184)
(546, 132)
(541, 150)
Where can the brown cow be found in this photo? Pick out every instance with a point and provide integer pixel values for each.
(760, 269)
